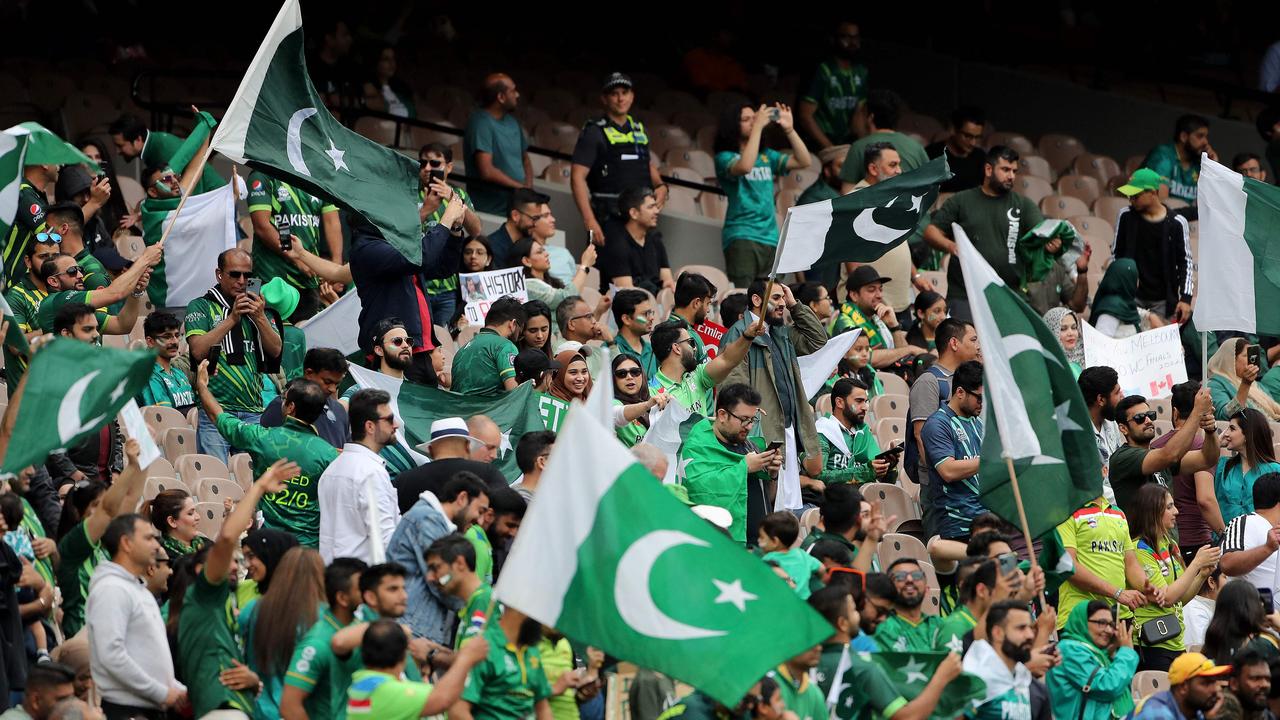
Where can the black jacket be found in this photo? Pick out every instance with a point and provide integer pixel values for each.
(1179, 267)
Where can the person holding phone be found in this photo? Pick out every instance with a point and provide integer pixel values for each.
(283, 214)
(435, 164)
(1234, 372)
(850, 452)
(1098, 664)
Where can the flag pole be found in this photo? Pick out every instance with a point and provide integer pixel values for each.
(1022, 511)
(1204, 358)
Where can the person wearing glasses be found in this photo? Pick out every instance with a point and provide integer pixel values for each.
(524, 211)
(66, 220)
(908, 628)
(1137, 462)
(278, 209)
(632, 400)
(952, 441)
(358, 505)
(65, 279)
(24, 297)
(1098, 664)
(168, 386)
(963, 148)
(435, 165)
(634, 313)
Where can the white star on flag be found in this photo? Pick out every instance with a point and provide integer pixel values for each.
(956, 645)
(336, 156)
(1061, 413)
(913, 670)
(916, 201)
(505, 446)
(732, 593)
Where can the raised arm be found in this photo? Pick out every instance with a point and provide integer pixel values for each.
(116, 499)
(324, 268)
(218, 564)
(448, 689)
(719, 368)
(751, 150)
(800, 157)
(1176, 450)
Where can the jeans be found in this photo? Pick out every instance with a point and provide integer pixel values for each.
(210, 441)
(442, 308)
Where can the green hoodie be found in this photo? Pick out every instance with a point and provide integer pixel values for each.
(1084, 663)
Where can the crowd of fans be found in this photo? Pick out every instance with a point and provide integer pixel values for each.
(354, 575)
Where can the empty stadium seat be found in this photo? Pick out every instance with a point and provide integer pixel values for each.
(801, 179)
(1084, 187)
(131, 190)
(896, 545)
(938, 279)
(194, 467)
(1108, 207)
(713, 205)
(178, 442)
(217, 490)
(241, 467)
(1100, 167)
(160, 419)
(894, 502)
(663, 138)
(210, 518)
(1149, 682)
(1035, 166)
(1013, 140)
(1163, 408)
(1095, 229)
(889, 406)
(155, 485)
(712, 273)
(558, 172)
(1034, 188)
(932, 604)
(554, 135)
(1063, 207)
(1060, 150)
(681, 200)
(893, 385)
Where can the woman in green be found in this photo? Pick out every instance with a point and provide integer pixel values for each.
(1151, 523)
(271, 626)
(173, 512)
(1066, 325)
(1248, 436)
(1098, 663)
(1115, 305)
(632, 400)
(1233, 382)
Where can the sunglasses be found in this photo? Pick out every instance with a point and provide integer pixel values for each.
(903, 575)
(73, 271)
(398, 341)
(239, 274)
(164, 181)
(623, 373)
(48, 237)
(1141, 417)
(422, 163)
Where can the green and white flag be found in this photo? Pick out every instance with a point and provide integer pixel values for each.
(58, 412)
(1239, 263)
(909, 672)
(1034, 412)
(278, 123)
(610, 558)
(12, 148)
(515, 413)
(45, 148)
(204, 229)
(860, 226)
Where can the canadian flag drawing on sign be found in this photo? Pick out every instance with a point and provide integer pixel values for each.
(1161, 386)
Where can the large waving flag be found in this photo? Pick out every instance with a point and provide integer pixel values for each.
(909, 672)
(1034, 411)
(203, 230)
(1239, 263)
(860, 226)
(278, 123)
(610, 558)
(29, 143)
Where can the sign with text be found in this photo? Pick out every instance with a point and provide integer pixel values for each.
(711, 334)
(479, 290)
(1149, 363)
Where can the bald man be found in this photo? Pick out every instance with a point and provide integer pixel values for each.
(495, 147)
(487, 432)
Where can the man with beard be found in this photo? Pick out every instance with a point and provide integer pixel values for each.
(866, 310)
(358, 508)
(486, 365)
(459, 505)
(1178, 162)
(999, 661)
(451, 569)
(1100, 386)
(495, 148)
(909, 628)
(952, 441)
(1194, 690)
(981, 585)
(679, 372)
(509, 684)
(825, 112)
(994, 217)
(1136, 462)
(849, 448)
(693, 297)
(772, 369)
(1247, 690)
(385, 597)
(168, 386)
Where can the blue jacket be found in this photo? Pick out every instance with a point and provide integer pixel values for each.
(1161, 706)
(384, 278)
(430, 612)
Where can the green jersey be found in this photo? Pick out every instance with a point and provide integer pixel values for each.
(484, 552)
(168, 388)
(828, 663)
(235, 387)
(898, 634)
(296, 509)
(836, 89)
(96, 276)
(27, 221)
(801, 697)
(484, 364)
(295, 351)
(315, 670)
(693, 332)
(298, 209)
(954, 628)
(378, 695)
(694, 390)
(994, 225)
(868, 693)
(50, 306)
(1163, 566)
(557, 659)
(355, 661)
(850, 316)
(449, 284)
(846, 456)
(508, 683)
(910, 151)
(1012, 704)
(474, 611)
(24, 299)
(751, 214)
(817, 192)
(208, 643)
(697, 706)
(642, 355)
(631, 433)
(1182, 181)
(553, 411)
(79, 556)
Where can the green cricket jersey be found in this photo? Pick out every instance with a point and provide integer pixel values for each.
(27, 221)
(79, 557)
(801, 696)
(168, 388)
(24, 300)
(50, 306)
(208, 642)
(235, 387)
(474, 610)
(302, 212)
(378, 695)
(898, 634)
(450, 284)
(482, 365)
(508, 683)
(836, 90)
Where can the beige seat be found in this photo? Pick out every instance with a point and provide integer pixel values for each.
(1035, 188)
(131, 190)
(801, 179)
(894, 385)
(1149, 682)
(823, 405)
(1096, 230)
(713, 205)
(1101, 167)
(1108, 207)
(890, 430)
(896, 545)
(160, 418)
(710, 272)
(1084, 187)
(178, 442)
(1163, 408)
(890, 406)
(932, 604)
(555, 135)
(558, 172)
(1035, 166)
(697, 160)
(210, 518)
(156, 485)
(894, 502)
(195, 467)
(1063, 207)
(241, 467)
(664, 138)
(162, 468)
(1013, 140)
(1060, 150)
(683, 201)
(216, 490)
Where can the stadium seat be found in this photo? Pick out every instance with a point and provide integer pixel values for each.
(1100, 167)
(465, 335)
(241, 467)
(896, 545)
(158, 484)
(160, 419)
(800, 180)
(1162, 427)
(178, 442)
(539, 163)
(131, 190)
(682, 200)
(218, 489)
(932, 604)
(663, 138)
(1149, 682)
(692, 121)
(161, 467)
(555, 135)
(378, 130)
(890, 430)
(930, 575)
(785, 200)
(893, 385)
(938, 279)
(1084, 187)
(1108, 207)
(895, 503)
(890, 405)
(1034, 188)
(1063, 207)
(714, 274)
(1060, 150)
(823, 404)
(1096, 230)
(1035, 166)
(809, 518)
(1131, 163)
(1163, 408)
(558, 172)
(713, 205)
(210, 520)
(705, 138)
(926, 126)
(1013, 140)
(195, 467)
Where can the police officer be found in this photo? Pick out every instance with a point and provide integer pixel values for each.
(612, 155)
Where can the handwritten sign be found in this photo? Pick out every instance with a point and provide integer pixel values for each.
(711, 334)
(1149, 363)
(480, 290)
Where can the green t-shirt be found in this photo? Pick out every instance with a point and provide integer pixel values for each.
(482, 365)
(314, 669)
(693, 390)
(208, 642)
(909, 149)
(379, 695)
(802, 698)
(235, 387)
(508, 683)
(553, 411)
(1163, 566)
(79, 557)
(1124, 469)
(484, 552)
(817, 192)
(853, 462)
(993, 225)
(750, 215)
(27, 221)
(1182, 181)
(868, 693)
(50, 306)
(631, 433)
(168, 388)
(557, 659)
(442, 285)
(24, 300)
(301, 211)
(836, 90)
(506, 144)
(474, 609)
(96, 276)
(295, 352)
(952, 632)
(897, 634)
(296, 509)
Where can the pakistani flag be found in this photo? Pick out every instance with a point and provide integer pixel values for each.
(54, 414)
(28, 144)
(1239, 263)
(861, 226)
(1035, 414)
(205, 228)
(514, 412)
(278, 123)
(611, 559)
(909, 672)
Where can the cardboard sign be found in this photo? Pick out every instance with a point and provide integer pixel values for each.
(480, 290)
(711, 334)
(1149, 363)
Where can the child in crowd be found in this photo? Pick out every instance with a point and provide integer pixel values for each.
(777, 538)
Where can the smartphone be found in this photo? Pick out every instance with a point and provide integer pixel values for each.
(774, 114)
(255, 285)
(774, 446)
(1008, 563)
(1268, 600)
(1050, 648)
(435, 176)
(1253, 354)
(891, 452)
(286, 242)
(214, 353)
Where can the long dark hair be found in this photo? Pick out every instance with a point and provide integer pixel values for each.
(290, 606)
(1145, 513)
(1257, 438)
(184, 574)
(532, 309)
(522, 249)
(728, 129)
(1238, 615)
(632, 398)
(77, 504)
(115, 209)
(488, 248)
(166, 505)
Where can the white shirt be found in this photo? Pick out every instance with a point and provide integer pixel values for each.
(1245, 533)
(354, 488)
(1196, 616)
(1108, 438)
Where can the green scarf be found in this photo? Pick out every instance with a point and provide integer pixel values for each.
(1077, 631)
(1036, 262)
(1117, 293)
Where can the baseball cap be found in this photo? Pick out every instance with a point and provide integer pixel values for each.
(864, 275)
(532, 363)
(1142, 180)
(616, 80)
(1193, 664)
(72, 180)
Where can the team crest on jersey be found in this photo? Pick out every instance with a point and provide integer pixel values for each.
(1093, 522)
(282, 193)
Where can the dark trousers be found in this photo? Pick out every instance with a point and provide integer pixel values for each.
(1150, 658)
(126, 712)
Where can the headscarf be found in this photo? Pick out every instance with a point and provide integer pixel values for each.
(631, 398)
(558, 387)
(1223, 364)
(269, 545)
(1117, 293)
(1053, 319)
(1077, 631)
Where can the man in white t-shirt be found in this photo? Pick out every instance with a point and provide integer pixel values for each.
(1251, 541)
